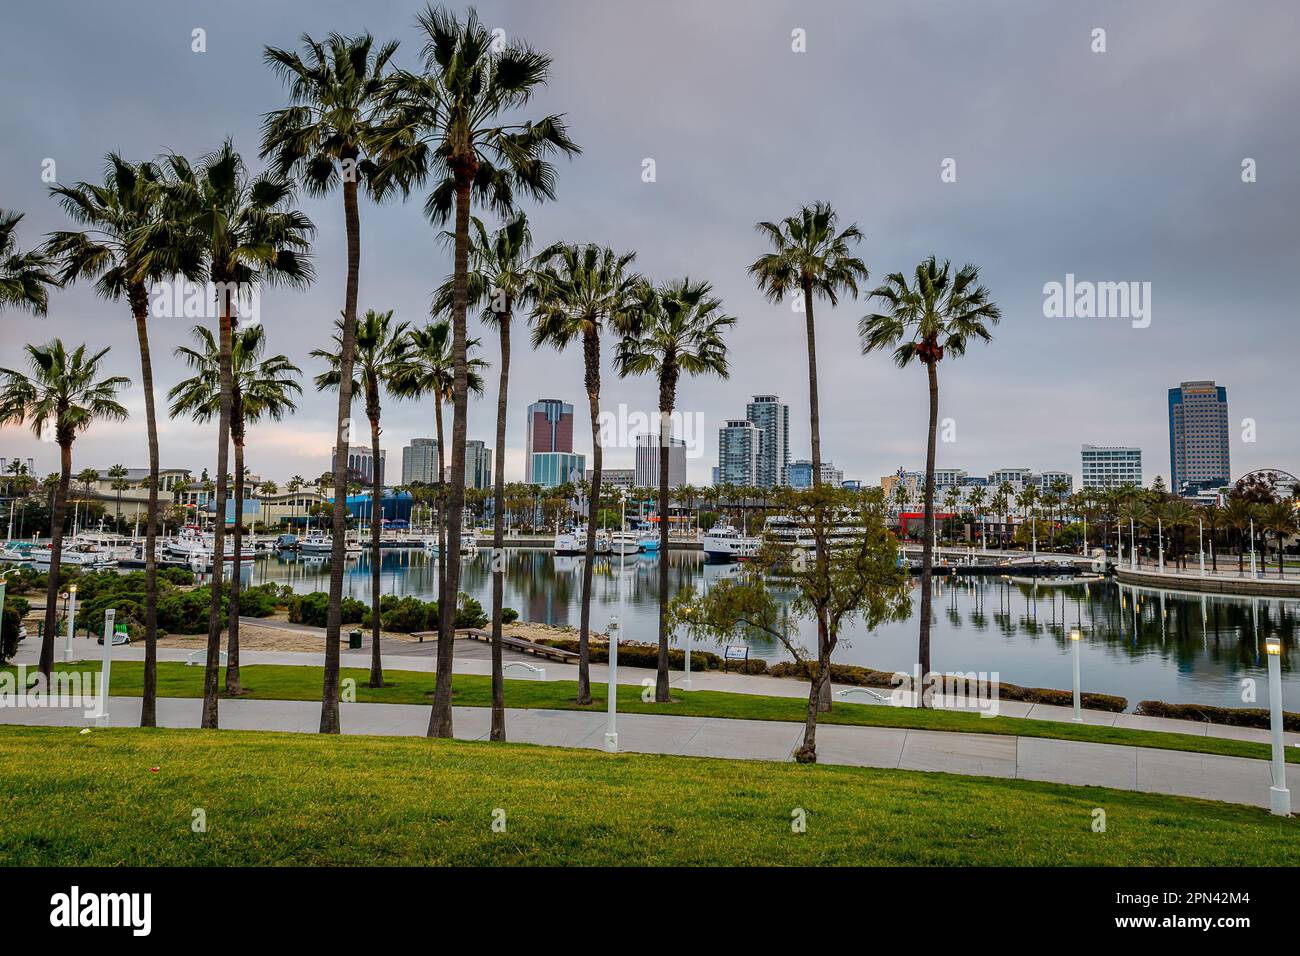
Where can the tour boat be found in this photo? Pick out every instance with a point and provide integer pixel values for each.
(316, 542)
(190, 543)
(571, 542)
(725, 543)
(77, 556)
(625, 542)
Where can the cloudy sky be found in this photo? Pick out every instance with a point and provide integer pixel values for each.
(1117, 166)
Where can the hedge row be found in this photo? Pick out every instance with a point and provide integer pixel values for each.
(1252, 717)
(403, 615)
(867, 677)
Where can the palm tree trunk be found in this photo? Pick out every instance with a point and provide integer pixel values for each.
(149, 702)
(822, 688)
(233, 685)
(442, 497)
(927, 549)
(58, 513)
(440, 718)
(212, 672)
(591, 360)
(498, 731)
(667, 400)
(376, 508)
(329, 705)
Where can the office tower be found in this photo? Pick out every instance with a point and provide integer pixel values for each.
(773, 419)
(614, 478)
(799, 474)
(360, 464)
(1111, 466)
(740, 449)
(1198, 437)
(647, 461)
(420, 461)
(551, 468)
(478, 465)
(550, 430)
(1047, 479)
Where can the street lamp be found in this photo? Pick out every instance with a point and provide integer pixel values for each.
(1075, 637)
(1132, 545)
(1279, 797)
(611, 720)
(1160, 544)
(1200, 542)
(100, 716)
(72, 620)
(686, 681)
(1253, 573)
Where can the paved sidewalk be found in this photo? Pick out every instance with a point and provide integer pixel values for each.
(1229, 779)
(88, 649)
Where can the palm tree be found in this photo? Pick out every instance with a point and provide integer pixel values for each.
(245, 231)
(293, 486)
(940, 314)
(112, 215)
(429, 369)
(446, 124)
(380, 348)
(324, 138)
(678, 330)
(1237, 514)
(1279, 518)
(65, 394)
(975, 499)
(261, 388)
(1212, 518)
(582, 291)
(1179, 515)
(25, 277)
(117, 481)
(812, 259)
(502, 278)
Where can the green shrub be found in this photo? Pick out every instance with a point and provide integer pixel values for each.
(509, 615)
(1232, 716)
(407, 614)
(10, 621)
(309, 609)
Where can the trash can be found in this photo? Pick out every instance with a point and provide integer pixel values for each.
(354, 639)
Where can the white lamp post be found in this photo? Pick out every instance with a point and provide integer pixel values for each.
(1279, 797)
(1160, 544)
(1132, 545)
(72, 620)
(1200, 542)
(1252, 548)
(686, 681)
(611, 720)
(1075, 638)
(101, 712)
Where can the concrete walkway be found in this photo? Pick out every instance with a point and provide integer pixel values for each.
(1229, 779)
(471, 657)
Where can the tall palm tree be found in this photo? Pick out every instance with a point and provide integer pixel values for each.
(1280, 519)
(64, 394)
(25, 277)
(325, 138)
(448, 124)
(380, 348)
(810, 257)
(940, 314)
(429, 370)
(262, 387)
(678, 331)
(1237, 514)
(111, 215)
(1212, 518)
(581, 292)
(502, 279)
(246, 233)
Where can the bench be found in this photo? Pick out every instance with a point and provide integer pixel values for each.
(519, 644)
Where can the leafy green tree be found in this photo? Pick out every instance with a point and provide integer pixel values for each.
(25, 277)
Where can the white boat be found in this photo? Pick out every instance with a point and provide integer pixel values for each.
(724, 543)
(316, 542)
(10, 553)
(190, 543)
(75, 556)
(625, 542)
(468, 541)
(571, 542)
(119, 546)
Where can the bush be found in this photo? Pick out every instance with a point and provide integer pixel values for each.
(647, 655)
(10, 621)
(309, 609)
(180, 576)
(509, 615)
(259, 601)
(1232, 716)
(408, 614)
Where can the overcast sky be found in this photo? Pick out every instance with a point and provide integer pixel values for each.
(1117, 166)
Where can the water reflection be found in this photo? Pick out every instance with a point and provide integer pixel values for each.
(1138, 642)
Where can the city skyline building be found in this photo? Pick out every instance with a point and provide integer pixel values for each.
(740, 448)
(647, 461)
(1111, 466)
(550, 431)
(551, 468)
(360, 466)
(1198, 437)
(420, 461)
(772, 417)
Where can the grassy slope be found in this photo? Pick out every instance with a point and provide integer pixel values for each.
(272, 798)
(292, 682)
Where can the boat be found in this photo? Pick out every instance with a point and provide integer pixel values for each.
(76, 556)
(14, 553)
(625, 542)
(571, 542)
(190, 544)
(316, 542)
(724, 543)
(119, 546)
(468, 541)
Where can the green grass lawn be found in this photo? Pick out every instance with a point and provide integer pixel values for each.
(276, 798)
(292, 682)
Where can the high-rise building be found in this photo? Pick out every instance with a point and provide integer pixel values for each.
(611, 478)
(1198, 437)
(799, 474)
(647, 461)
(550, 430)
(551, 468)
(1047, 479)
(478, 465)
(773, 419)
(740, 449)
(420, 461)
(361, 464)
(1111, 466)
